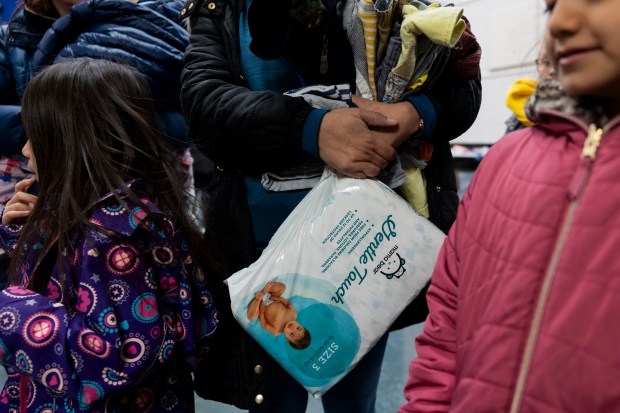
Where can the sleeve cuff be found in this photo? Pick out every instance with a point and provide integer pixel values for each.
(310, 137)
(425, 108)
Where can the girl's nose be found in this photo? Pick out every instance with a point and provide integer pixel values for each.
(565, 18)
(26, 150)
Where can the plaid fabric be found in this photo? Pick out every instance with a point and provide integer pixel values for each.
(12, 170)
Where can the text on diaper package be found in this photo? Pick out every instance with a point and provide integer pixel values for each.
(355, 275)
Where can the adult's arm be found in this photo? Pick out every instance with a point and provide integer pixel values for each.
(259, 131)
(233, 125)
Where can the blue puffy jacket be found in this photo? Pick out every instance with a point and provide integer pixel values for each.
(146, 35)
(18, 43)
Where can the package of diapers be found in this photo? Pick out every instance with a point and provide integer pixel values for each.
(336, 274)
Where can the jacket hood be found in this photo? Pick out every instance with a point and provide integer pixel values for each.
(139, 34)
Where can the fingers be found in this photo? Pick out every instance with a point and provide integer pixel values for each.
(22, 198)
(22, 186)
(347, 144)
(16, 211)
(360, 161)
(404, 113)
(386, 152)
(12, 217)
(357, 163)
(360, 102)
(373, 159)
(361, 170)
(376, 119)
(21, 195)
(20, 205)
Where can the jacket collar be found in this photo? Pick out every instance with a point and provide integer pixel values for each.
(27, 28)
(123, 219)
(549, 99)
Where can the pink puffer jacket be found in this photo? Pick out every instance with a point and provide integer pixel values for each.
(525, 298)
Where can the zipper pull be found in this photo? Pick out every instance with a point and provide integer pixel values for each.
(323, 67)
(592, 142)
(588, 154)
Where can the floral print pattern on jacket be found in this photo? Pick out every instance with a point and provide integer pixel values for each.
(127, 342)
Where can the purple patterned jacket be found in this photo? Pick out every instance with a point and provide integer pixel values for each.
(129, 338)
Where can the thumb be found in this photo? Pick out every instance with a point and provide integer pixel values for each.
(376, 119)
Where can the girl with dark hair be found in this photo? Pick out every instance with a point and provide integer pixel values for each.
(108, 308)
(145, 34)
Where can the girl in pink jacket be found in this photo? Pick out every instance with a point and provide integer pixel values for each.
(525, 298)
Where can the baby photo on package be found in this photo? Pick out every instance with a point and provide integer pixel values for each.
(339, 270)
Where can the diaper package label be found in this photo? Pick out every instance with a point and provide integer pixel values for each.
(334, 277)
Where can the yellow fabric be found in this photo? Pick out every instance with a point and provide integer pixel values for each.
(414, 189)
(442, 25)
(419, 81)
(517, 95)
(369, 24)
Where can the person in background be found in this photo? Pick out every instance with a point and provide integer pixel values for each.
(520, 91)
(525, 288)
(241, 59)
(108, 307)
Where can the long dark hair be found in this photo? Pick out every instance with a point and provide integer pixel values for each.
(92, 128)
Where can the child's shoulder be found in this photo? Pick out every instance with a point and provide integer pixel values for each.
(512, 144)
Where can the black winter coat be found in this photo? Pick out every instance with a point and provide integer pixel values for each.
(254, 132)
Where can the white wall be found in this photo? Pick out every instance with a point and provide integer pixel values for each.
(510, 34)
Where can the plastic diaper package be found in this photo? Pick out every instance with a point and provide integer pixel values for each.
(334, 277)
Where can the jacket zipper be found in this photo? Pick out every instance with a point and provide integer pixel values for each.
(575, 189)
(232, 46)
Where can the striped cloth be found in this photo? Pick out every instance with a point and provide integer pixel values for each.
(368, 16)
(355, 33)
